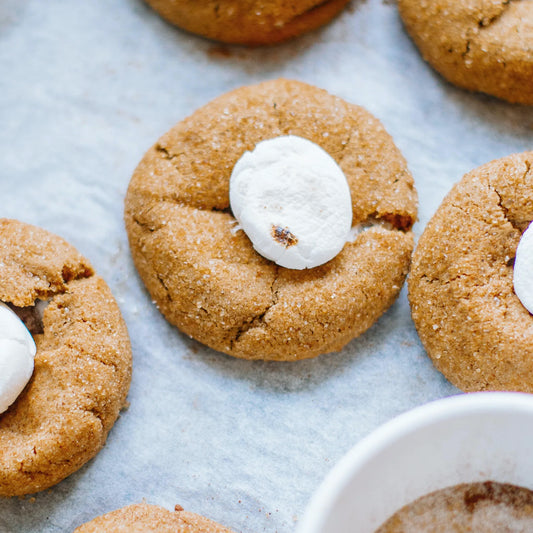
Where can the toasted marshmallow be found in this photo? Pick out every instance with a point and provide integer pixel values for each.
(293, 201)
(17, 354)
(523, 269)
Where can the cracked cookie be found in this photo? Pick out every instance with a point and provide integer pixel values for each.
(248, 22)
(480, 45)
(469, 319)
(82, 366)
(151, 518)
(206, 277)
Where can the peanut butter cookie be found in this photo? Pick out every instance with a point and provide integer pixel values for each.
(206, 277)
(248, 22)
(471, 322)
(144, 518)
(481, 45)
(82, 366)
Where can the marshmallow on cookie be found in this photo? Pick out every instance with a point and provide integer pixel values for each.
(293, 201)
(523, 269)
(17, 354)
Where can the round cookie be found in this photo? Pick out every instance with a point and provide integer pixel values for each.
(144, 518)
(207, 279)
(468, 317)
(82, 367)
(248, 22)
(480, 45)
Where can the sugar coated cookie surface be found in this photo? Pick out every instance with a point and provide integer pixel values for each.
(82, 365)
(248, 22)
(204, 273)
(144, 518)
(471, 322)
(481, 45)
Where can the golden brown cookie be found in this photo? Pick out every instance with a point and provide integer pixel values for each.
(209, 281)
(481, 45)
(248, 22)
(464, 307)
(82, 367)
(144, 518)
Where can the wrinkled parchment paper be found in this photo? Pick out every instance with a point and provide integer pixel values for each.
(85, 89)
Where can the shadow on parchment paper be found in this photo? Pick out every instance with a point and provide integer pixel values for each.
(511, 120)
(297, 376)
(10, 12)
(262, 59)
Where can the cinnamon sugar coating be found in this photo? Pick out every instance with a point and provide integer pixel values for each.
(207, 279)
(480, 45)
(82, 367)
(472, 324)
(144, 518)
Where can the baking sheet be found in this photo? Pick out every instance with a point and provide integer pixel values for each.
(85, 89)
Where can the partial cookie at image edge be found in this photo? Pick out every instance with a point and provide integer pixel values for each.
(82, 366)
(251, 23)
(468, 317)
(147, 518)
(476, 45)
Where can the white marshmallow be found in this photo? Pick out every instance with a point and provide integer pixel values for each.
(523, 269)
(17, 353)
(293, 201)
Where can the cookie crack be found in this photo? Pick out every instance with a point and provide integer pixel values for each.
(56, 287)
(259, 319)
(247, 326)
(399, 222)
(485, 23)
(439, 281)
(386, 221)
(68, 274)
(501, 205)
(159, 148)
(469, 214)
(165, 152)
(74, 346)
(94, 411)
(503, 209)
(150, 228)
(30, 472)
(165, 288)
(33, 471)
(482, 24)
(467, 49)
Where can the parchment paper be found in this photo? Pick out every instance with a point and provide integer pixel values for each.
(85, 89)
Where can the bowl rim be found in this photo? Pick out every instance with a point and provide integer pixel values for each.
(436, 411)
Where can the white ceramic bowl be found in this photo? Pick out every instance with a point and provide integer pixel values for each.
(466, 438)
